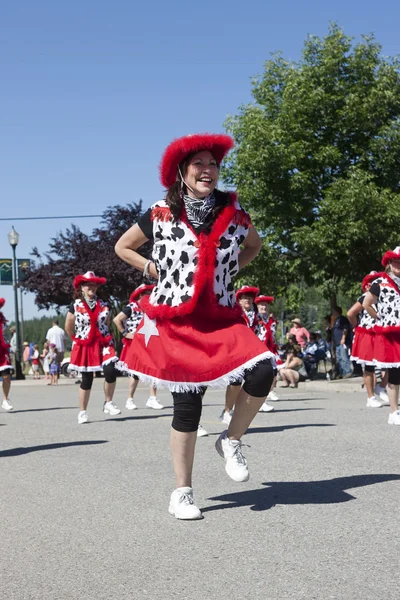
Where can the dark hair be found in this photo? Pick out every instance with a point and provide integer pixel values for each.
(296, 350)
(338, 309)
(55, 321)
(78, 294)
(174, 197)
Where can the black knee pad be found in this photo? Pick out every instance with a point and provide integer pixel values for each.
(87, 381)
(394, 376)
(110, 373)
(187, 410)
(258, 381)
(369, 369)
(135, 377)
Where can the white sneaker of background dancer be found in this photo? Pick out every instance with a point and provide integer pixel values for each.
(383, 395)
(182, 505)
(373, 402)
(130, 405)
(273, 396)
(265, 407)
(111, 408)
(226, 416)
(152, 402)
(201, 432)
(235, 462)
(83, 417)
(6, 404)
(394, 418)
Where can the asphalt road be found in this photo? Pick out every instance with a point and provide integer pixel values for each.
(84, 508)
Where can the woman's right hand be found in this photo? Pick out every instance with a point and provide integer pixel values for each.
(129, 336)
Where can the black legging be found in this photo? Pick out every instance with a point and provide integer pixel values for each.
(110, 376)
(188, 405)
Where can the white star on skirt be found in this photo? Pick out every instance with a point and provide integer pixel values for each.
(106, 351)
(149, 328)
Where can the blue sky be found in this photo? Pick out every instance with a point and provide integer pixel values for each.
(93, 91)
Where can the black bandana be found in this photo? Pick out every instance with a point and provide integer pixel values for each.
(199, 211)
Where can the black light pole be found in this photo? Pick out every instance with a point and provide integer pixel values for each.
(13, 238)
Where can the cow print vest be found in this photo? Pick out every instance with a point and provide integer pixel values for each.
(388, 304)
(132, 322)
(82, 319)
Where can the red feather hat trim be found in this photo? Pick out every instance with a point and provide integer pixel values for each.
(142, 289)
(2, 302)
(369, 279)
(88, 277)
(267, 299)
(390, 255)
(247, 289)
(218, 144)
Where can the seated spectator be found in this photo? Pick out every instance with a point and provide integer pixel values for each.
(293, 370)
(301, 333)
(286, 348)
(342, 340)
(311, 355)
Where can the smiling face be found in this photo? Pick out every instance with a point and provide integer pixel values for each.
(201, 174)
(263, 308)
(89, 290)
(246, 301)
(395, 267)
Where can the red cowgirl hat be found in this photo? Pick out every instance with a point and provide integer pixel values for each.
(88, 277)
(390, 255)
(369, 279)
(142, 289)
(247, 289)
(2, 302)
(267, 299)
(218, 144)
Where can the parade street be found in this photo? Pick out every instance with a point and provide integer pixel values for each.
(85, 507)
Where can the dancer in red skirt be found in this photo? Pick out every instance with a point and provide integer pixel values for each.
(193, 334)
(87, 323)
(263, 304)
(6, 367)
(384, 294)
(362, 350)
(127, 321)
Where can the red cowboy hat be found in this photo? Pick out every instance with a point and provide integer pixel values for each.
(2, 302)
(267, 299)
(390, 255)
(142, 289)
(218, 144)
(247, 289)
(369, 279)
(88, 277)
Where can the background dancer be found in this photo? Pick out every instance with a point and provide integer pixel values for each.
(6, 367)
(263, 304)
(362, 350)
(384, 293)
(87, 323)
(127, 321)
(193, 335)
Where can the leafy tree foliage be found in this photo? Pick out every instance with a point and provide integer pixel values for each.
(317, 162)
(74, 252)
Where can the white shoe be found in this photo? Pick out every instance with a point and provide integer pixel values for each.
(152, 402)
(83, 417)
(394, 418)
(273, 396)
(266, 408)
(6, 404)
(130, 405)
(383, 395)
(235, 462)
(373, 402)
(226, 416)
(182, 505)
(201, 432)
(111, 408)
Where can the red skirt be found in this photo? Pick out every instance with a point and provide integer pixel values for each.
(189, 352)
(362, 350)
(387, 349)
(91, 357)
(5, 362)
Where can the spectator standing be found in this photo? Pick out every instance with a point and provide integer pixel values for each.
(25, 357)
(53, 365)
(45, 358)
(35, 362)
(300, 332)
(56, 336)
(341, 340)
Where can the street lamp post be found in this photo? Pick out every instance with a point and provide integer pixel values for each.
(13, 238)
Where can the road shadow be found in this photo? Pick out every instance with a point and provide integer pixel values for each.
(138, 418)
(280, 428)
(328, 491)
(289, 410)
(28, 449)
(45, 409)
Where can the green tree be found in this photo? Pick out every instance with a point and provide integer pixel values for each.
(316, 162)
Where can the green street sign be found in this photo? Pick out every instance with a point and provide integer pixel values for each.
(6, 271)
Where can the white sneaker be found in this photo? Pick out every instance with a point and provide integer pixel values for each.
(383, 395)
(152, 402)
(182, 505)
(83, 417)
(226, 416)
(235, 462)
(6, 404)
(273, 396)
(266, 408)
(394, 418)
(201, 432)
(111, 408)
(373, 402)
(130, 405)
